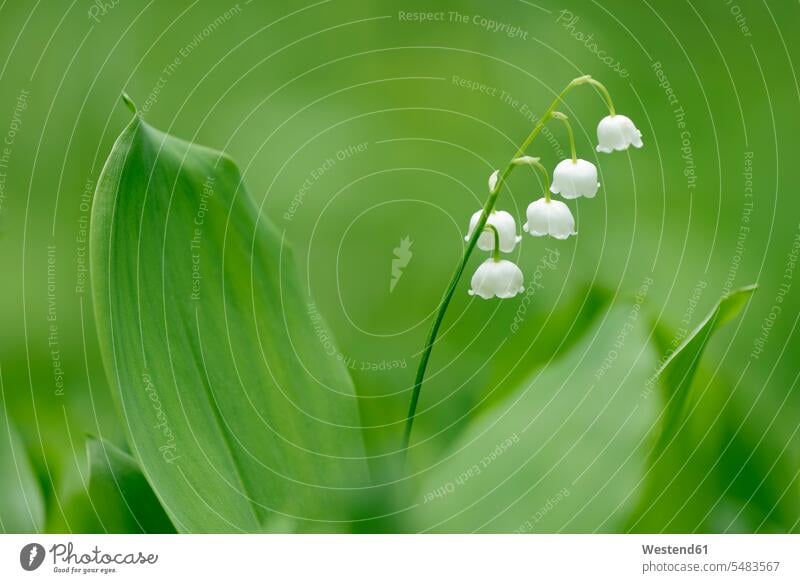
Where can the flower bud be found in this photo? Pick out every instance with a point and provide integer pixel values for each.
(493, 178)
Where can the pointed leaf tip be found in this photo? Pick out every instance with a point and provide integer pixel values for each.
(678, 371)
(129, 102)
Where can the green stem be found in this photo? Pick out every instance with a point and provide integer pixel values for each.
(451, 287)
(496, 249)
(530, 161)
(565, 119)
(604, 91)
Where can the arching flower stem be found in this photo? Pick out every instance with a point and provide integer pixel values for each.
(487, 208)
(603, 91)
(560, 116)
(531, 161)
(496, 249)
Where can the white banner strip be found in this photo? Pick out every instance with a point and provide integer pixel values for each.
(400, 558)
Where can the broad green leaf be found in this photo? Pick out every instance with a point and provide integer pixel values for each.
(540, 336)
(238, 416)
(564, 452)
(535, 333)
(116, 497)
(715, 470)
(681, 493)
(678, 371)
(21, 503)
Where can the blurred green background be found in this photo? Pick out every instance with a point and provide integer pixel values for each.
(357, 125)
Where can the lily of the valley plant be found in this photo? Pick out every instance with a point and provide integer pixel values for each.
(495, 231)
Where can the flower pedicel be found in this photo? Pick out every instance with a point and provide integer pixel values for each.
(495, 231)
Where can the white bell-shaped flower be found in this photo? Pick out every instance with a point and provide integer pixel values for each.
(617, 132)
(574, 179)
(497, 278)
(506, 227)
(549, 217)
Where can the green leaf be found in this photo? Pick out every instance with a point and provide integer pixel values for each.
(720, 467)
(21, 502)
(238, 416)
(540, 332)
(544, 334)
(756, 472)
(678, 371)
(117, 498)
(566, 451)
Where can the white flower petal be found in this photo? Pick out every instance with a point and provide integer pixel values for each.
(550, 218)
(501, 279)
(561, 222)
(574, 179)
(617, 132)
(506, 227)
(537, 218)
(510, 280)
